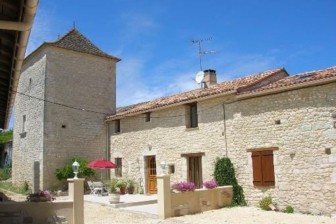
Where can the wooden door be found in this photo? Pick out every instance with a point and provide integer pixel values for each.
(151, 175)
(195, 170)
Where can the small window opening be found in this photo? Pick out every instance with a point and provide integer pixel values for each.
(117, 126)
(148, 116)
(171, 168)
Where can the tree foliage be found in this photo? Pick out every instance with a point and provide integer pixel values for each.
(66, 172)
(6, 136)
(225, 175)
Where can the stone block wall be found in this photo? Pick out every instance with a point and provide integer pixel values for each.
(305, 175)
(85, 84)
(72, 94)
(167, 137)
(28, 144)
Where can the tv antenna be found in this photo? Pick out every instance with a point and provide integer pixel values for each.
(201, 52)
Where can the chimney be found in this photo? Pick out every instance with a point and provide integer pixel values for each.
(210, 78)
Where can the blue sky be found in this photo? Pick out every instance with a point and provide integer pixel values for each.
(153, 38)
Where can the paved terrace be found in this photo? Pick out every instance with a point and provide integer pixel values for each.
(130, 202)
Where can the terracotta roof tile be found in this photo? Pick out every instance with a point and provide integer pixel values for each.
(194, 95)
(74, 40)
(300, 78)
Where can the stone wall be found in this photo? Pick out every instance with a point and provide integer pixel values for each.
(86, 85)
(28, 144)
(167, 137)
(305, 173)
(79, 91)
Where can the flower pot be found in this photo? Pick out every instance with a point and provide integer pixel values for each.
(122, 190)
(114, 198)
(130, 190)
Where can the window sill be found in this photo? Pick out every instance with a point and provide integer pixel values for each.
(192, 129)
(23, 134)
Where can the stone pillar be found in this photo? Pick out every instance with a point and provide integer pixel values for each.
(164, 197)
(36, 177)
(76, 194)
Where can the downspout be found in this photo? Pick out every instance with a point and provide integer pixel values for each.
(224, 132)
(108, 149)
(30, 8)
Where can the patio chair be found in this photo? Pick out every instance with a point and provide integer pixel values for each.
(98, 188)
(90, 184)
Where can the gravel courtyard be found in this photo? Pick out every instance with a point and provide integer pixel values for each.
(100, 214)
(97, 214)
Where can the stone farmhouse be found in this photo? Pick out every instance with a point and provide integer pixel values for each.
(278, 130)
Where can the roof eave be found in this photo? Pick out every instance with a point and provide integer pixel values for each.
(123, 115)
(287, 88)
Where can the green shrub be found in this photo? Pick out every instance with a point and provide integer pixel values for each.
(5, 173)
(289, 209)
(6, 136)
(265, 202)
(13, 188)
(66, 172)
(225, 175)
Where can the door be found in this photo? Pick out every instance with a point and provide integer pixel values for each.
(195, 170)
(151, 175)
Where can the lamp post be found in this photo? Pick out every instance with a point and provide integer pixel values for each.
(75, 168)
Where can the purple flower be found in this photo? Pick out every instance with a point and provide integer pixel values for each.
(184, 186)
(210, 184)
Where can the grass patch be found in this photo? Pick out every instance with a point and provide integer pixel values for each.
(8, 186)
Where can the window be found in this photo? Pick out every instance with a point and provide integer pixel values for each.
(191, 116)
(118, 170)
(148, 116)
(24, 123)
(263, 168)
(171, 169)
(117, 126)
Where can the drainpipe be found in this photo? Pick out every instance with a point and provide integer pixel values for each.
(30, 8)
(224, 132)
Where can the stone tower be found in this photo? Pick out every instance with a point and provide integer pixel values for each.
(65, 91)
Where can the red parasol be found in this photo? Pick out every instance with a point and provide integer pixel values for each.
(102, 164)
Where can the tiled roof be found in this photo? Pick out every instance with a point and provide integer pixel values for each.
(194, 95)
(76, 41)
(307, 77)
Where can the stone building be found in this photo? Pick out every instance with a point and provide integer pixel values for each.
(65, 91)
(278, 130)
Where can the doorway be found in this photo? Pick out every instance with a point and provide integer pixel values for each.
(151, 175)
(195, 170)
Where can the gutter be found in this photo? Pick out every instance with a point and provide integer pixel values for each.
(29, 8)
(287, 88)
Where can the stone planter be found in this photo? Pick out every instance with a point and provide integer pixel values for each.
(114, 198)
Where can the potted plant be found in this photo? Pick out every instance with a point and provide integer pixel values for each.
(121, 184)
(130, 186)
(114, 195)
(183, 186)
(210, 184)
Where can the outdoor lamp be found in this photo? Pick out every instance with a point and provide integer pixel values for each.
(163, 167)
(75, 168)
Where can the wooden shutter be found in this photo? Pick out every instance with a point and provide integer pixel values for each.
(263, 168)
(267, 168)
(257, 170)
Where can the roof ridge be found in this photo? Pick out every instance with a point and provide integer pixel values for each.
(76, 41)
